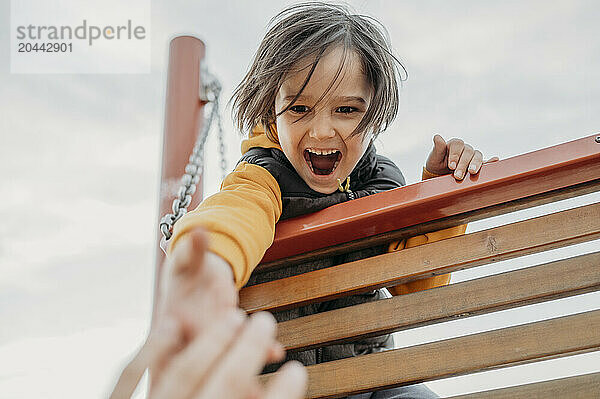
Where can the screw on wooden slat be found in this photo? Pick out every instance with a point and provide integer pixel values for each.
(597, 139)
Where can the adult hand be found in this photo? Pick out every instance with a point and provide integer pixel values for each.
(198, 288)
(221, 362)
(197, 285)
(454, 157)
(201, 341)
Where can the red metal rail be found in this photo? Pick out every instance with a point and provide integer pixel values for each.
(521, 176)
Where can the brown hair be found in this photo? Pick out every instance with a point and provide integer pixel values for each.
(309, 30)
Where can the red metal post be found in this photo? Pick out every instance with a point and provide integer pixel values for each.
(183, 120)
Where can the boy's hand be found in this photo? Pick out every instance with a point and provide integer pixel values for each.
(456, 156)
(198, 289)
(197, 286)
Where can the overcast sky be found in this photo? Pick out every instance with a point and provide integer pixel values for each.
(79, 165)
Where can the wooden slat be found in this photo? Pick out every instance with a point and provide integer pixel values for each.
(504, 242)
(540, 171)
(535, 284)
(510, 346)
(434, 225)
(579, 387)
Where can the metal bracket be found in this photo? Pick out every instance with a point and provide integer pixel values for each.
(202, 87)
(209, 87)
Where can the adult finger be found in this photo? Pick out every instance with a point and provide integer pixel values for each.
(455, 149)
(244, 361)
(463, 162)
(276, 353)
(255, 390)
(159, 344)
(191, 367)
(288, 382)
(168, 329)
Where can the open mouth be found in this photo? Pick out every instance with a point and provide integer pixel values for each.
(322, 162)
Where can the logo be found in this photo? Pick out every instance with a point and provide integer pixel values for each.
(73, 36)
(82, 32)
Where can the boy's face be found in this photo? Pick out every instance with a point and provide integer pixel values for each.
(319, 145)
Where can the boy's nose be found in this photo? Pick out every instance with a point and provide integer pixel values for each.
(322, 128)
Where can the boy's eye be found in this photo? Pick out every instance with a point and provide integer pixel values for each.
(346, 110)
(299, 109)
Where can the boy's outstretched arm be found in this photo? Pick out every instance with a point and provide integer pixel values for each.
(238, 224)
(239, 220)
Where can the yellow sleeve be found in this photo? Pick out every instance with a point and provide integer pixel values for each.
(431, 282)
(240, 219)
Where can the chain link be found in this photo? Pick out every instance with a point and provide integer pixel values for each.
(196, 162)
(221, 139)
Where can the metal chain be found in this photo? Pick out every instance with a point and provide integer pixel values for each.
(214, 88)
(195, 164)
(221, 139)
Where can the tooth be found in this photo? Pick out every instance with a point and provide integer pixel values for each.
(317, 151)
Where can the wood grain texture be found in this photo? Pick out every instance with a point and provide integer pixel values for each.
(585, 386)
(439, 224)
(504, 242)
(534, 284)
(510, 346)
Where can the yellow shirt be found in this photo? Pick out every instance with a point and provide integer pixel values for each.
(240, 220)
